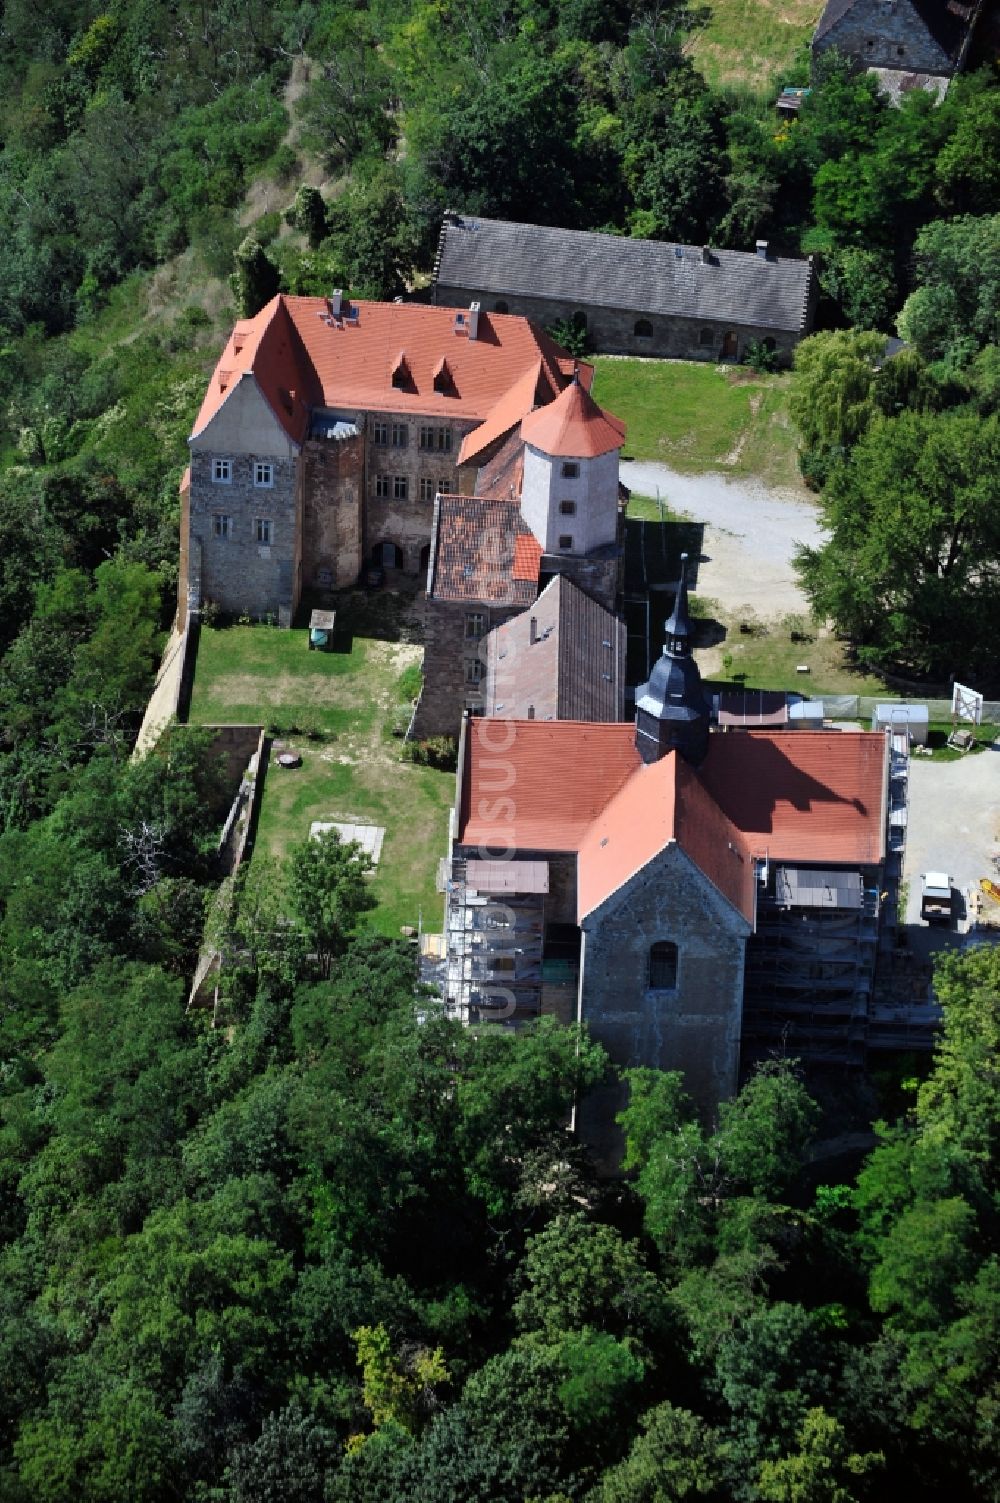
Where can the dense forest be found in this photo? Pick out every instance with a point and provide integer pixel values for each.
(328, 1245)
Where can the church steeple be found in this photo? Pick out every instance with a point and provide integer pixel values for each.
(671, 713)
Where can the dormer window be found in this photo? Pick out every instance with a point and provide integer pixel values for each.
(401, 377)
(444, 381)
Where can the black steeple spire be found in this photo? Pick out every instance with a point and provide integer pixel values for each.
(671, 713)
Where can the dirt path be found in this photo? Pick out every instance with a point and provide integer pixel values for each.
(751, 534)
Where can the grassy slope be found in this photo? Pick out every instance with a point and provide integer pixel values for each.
(696, 417)
(755, 44)
(354, 773)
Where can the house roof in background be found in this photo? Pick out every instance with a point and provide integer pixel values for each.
(482, 551)
(573, 670)
(501, 257)
(948, 22)
(573, 426)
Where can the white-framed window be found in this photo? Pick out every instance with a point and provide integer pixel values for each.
(400, 435)
(565, 540)
(570, 469)
(382, 485)
(222, 525)
(427, 488)
(475, 625)
(400, 487)
(222, 471)
(474, 671)
(567, 508)
(263, 473)
(444, 486)
(264, 531)
(380, 434)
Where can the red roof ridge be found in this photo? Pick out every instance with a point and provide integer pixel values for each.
(573, 426)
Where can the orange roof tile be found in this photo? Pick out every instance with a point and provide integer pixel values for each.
(802, 795)
(527, 557)
(266, 349)
(558, 775)
(661, 803)
(353, 363)
(573, 426)
(526, 392)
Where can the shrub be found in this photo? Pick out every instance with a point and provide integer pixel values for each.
(760, 358)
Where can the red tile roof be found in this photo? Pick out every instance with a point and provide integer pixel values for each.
(802, 795)
(267, 349)
(572, 786)
(482, 550)
(299, 358)
(558, 775)
(354, 364)
(661, 803)
(527, 556)
(573, 426)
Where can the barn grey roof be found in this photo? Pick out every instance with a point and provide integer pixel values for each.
(948, 22)
(501, 258)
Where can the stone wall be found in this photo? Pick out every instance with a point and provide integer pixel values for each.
(448, 652)
(611, 331)
(874, 37)
(332, 487)
(694, 1027)
(406, 521)
(238, 573)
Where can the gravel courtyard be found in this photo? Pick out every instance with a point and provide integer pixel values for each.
(751, 535)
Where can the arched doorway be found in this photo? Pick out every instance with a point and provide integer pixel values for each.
(730, 345)
(387, 556)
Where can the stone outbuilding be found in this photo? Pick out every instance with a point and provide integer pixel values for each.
(907, 44)
(634, 297)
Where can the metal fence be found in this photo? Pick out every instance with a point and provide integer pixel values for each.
(862, 707)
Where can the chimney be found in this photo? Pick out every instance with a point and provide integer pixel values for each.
(533, 630)
(336, 301)
(706, 256)
(762, 249)
(473, 320)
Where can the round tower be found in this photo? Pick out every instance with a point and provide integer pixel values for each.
(569, 493)
(670, 710)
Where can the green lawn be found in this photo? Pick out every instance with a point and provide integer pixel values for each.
(696, 417)
(351, 764)
(769, 659)
(756, 44)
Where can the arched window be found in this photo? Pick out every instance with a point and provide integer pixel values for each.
(501, 307)
(663, 966)
(706, 337)
(643, 329)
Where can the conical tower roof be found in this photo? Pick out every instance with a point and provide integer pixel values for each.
(573, 426)
(670, 708)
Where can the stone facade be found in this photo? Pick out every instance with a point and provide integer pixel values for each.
(612, 331)
(599, 575)
(333, 490)
(693, 1026)
(407, 461)
(454, 665)
(888, 34)
(247, 535)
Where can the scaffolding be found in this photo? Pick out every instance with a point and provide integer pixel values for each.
(494, 950)
(810, 967)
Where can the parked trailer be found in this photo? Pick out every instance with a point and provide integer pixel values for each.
(935, 898)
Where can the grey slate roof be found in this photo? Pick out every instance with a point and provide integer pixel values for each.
(501, 258)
